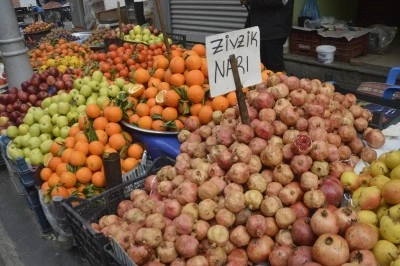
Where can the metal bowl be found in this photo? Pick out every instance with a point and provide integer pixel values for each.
(157, 143)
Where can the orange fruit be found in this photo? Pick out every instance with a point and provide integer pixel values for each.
(45, 188)
(54, 162)
(129, 164)
(141, 76)
(232, 99)
(177, 65)
(66, 155)
(55, 148)
(171, 98)
(193, 62)
(98, 179)
(82, 146)
(68, 179)
(159, 73)
(153, 82)
(73, 130)
(195, 77)
(142, 109)
(113, 113)
(77, 158)
(204, 67)
(93, 110)
(96, 148)
(69, 142)
(102, 136)
(100, 123)
(61, 168)
(195, 109)
(53, 180)
(112, 128)
(145, 122)
(179, 125)
(155, 110)
(200, 49)
(195, 94)
(59, 191)
(205, 114)
(94, 163)
(177, 80)
(135, 151)
(109, 150)
(169, 113)
(150, 92)
(161, 62)
(80, 136)
(83, 175)
(220, 103)
(133, 119)
(158, 125)
(163, 86)
(151, 102)
(117, 141)
(45, 173)
(82, 122)
(127, 136)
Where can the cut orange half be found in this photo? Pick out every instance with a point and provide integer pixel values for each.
(136, 90)
(160, 97)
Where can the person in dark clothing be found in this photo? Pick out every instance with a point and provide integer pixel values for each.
(274, 18)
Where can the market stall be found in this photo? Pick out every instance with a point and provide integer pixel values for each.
(118, 145)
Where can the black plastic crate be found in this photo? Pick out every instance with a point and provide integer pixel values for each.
(81, 213)
(32, 196)
(179, 39)
(28, 174)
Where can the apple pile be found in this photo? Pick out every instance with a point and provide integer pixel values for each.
(15, 104)
(375, 193)
(136, 33)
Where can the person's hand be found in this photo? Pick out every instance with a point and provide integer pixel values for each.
(244, 2)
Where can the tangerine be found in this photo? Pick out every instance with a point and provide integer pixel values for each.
(68, 179)
(69, 142)
(93, 110)
(177, 80)
(135, 151)
(220, 103)
(113, 113)
(98, 179)
(117, 141)
(54, 179)
(113, 128)
(142, 109)
(195, 94)
(100, 123)
(61, 168)
(129, 164)
(66, 154)
(54, 162)
(94, 163)
(145, 122)
(83, 175)
(59, 191)
(45, 173)
(77, 158)
(205, 114)
(193, 62)
(55, 148)
(96, 148)
(141, 76)
(195, 77)
(177, 65)
(169, 113)
(158, 125)
(102, 136)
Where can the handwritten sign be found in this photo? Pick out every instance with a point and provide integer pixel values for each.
(245, 45)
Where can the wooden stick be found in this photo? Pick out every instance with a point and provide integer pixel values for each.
(119, 20)
(163, 28)
(244, 115)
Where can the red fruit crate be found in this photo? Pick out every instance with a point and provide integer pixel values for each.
(304, 42)
(345, 50)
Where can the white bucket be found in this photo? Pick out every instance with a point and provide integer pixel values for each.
(326, 53)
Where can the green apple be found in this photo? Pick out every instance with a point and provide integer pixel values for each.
(61, 92)
(56, 131)
(104, 84)
(120, 82)
(151, 41)
(18, 141)
(86, 90)
(62, 121)
(54, 118)
(79, 100)
(103, 91)
(65, 97)
(170, 41)
(72, 116)
(73, 92)
(126, 87)
(25, 139)
(27, 152)
(3, 120)
(34, 130)
(81, 109)
(28, 119)
(45, 146)
(137, 29)
(86, 80)
(94, 85)
(91, 100)
(101, 100)
(138, 38)
(64, 131)
(52, 109)
(113, 91)
(160, 36)
(28, 161)
(46, 126)
(12, 131)
(63, 108)
(14, 152)
(23, 129)
(146, 32)
(34, 143)
(55, 98)
(146, 38)
(36, 157)
(97, 76)
(157, 40)
(45, 117)
(38, 113)
(45, 136)
(131, 36)
(95, 94)
(78, 83)
(46, 103)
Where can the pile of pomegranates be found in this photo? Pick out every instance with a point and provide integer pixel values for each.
(15, 103)
(245, 194)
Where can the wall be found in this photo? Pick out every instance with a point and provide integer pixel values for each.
(340, 9)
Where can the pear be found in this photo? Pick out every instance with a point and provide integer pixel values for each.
(395, 173)
(385, 252)
(379, 181)
(392, 159)
(379, 168)
(390, 229)
(394, 211)
(391, 191)
(367, 217)
(382, 210)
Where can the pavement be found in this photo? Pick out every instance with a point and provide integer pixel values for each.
(21, 240)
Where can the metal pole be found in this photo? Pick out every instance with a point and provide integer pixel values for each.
(12, 46)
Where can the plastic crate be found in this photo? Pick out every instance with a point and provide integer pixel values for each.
(32, 197)
(179, 39)
(89, 243)
(27, 173)
(304, 42)
(118, 254)
(345, 50)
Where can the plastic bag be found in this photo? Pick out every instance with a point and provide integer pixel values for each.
(380, 37)
(310, 9)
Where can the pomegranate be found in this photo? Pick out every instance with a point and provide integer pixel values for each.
(302, 144)
(324, 221)
(331, 250)
(302, 233)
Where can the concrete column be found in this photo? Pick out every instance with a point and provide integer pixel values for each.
(12, 47)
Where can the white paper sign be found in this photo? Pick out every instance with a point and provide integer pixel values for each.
(245, 44)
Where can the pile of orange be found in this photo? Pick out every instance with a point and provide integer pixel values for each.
(77, 163)
(58, 51)
(175, 89)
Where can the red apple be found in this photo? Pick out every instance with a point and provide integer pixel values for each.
(51, 80)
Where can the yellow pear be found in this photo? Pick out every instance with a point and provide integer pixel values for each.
(395, 173)
(378, 168)
(367, 217)
(385, 252)
(392, 159)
